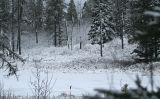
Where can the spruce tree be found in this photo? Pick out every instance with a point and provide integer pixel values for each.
(87, 11)
(102, 29)
(12, 24)
(54, 20)
(31, 12)
(61, 13)
(144, 33)
(153, 29)
(5, 59)
(121, 18)
(71, 12)
(4, 15)
(39, 13)
(50, 11)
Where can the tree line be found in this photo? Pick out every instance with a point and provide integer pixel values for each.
(108, 18)
(120, 18)
(17, 16)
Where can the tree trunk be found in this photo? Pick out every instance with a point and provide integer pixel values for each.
(101, 47)
(146, 52)
(67, 34)
(80, 43)
(13, 34)
(101, 42)
(19, 27)
(122, 39)
(59, 33)
(72, 33)
(36, 22)
(36, 36)
(155, 47)
(55, 35)
(151, 76)
(3, 53)
(79, 30)
(0, 26)
(72, 37)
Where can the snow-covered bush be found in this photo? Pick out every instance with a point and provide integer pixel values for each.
(41, 87)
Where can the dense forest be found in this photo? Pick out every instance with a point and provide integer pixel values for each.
(75, 25)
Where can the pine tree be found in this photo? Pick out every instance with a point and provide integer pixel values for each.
(71, 12)
(31, 12)
(12, 25)
(19, 21)
(121, 18)
(54, 20)
(87, 11)
(39, 13)
(4, 15)
(102, 29)
(51, 22)
(145, 34)
(4, 40)
(61, 13)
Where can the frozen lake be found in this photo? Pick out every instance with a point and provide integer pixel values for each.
(82, 83)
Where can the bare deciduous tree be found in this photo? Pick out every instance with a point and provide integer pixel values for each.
(41, 87)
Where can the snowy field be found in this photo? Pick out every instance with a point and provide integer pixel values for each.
(82, 83)
(83, 69)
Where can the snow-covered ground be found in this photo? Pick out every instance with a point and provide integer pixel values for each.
(63, 59)
(83, 69)
(82, 83)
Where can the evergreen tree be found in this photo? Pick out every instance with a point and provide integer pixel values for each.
(39, 13)
(102, 29)
(121, 18)
(54, 20)
(71, 12)
(31, 12)
(87, 11)
(12, 24)
(61, 13)
(153, 31)
(4, 15)
(6, 52)
(19, 21)
(144, 34)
